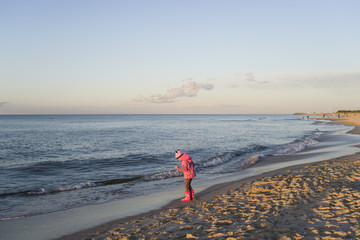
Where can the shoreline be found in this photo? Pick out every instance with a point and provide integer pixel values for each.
(214, 213)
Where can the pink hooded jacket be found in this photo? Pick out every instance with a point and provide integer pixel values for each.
(187, 166)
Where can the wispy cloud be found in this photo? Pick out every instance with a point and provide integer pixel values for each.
(349, 81)
(3, 103)
(249, 77)
(243, 80)
(189, 89)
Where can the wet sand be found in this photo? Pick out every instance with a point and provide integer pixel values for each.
(312, 201)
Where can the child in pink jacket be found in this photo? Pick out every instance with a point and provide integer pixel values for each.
(189, 173)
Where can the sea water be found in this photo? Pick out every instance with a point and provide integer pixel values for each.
(55, 162)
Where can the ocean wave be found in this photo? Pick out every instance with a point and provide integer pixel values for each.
(236, 120)
(71, 187)
(227, 157)
(248, 161)
(11, 218)
(162, 175)
(57, 189)
(218, 160)
(118, 181)
(48, 167)
(297, 145)
(248, 157)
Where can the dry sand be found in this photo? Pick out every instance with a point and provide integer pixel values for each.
(350, 120)
(316, 201)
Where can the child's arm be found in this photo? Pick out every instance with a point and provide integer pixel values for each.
(185, 167)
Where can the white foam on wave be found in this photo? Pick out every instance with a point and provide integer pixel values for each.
(11, 218)
(162, 175)
(218, 160)
(55, 189)
(286, 149)
(249, 161)
(297, 146)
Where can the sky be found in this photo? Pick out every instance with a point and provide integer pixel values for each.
(179, 57)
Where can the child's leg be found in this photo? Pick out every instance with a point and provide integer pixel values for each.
(187, 185)
(191, 191)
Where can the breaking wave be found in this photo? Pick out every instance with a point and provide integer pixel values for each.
(56, 189)
(298, 145)
(247, 158)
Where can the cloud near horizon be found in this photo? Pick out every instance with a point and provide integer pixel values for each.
(335, 81)
(3, 103)
(189, 89)
(244, 80)
(249, 77)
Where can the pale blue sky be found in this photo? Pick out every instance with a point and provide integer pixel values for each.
(254, 56)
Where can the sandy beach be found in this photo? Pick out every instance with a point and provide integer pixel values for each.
(313, 201)
(351, 119)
